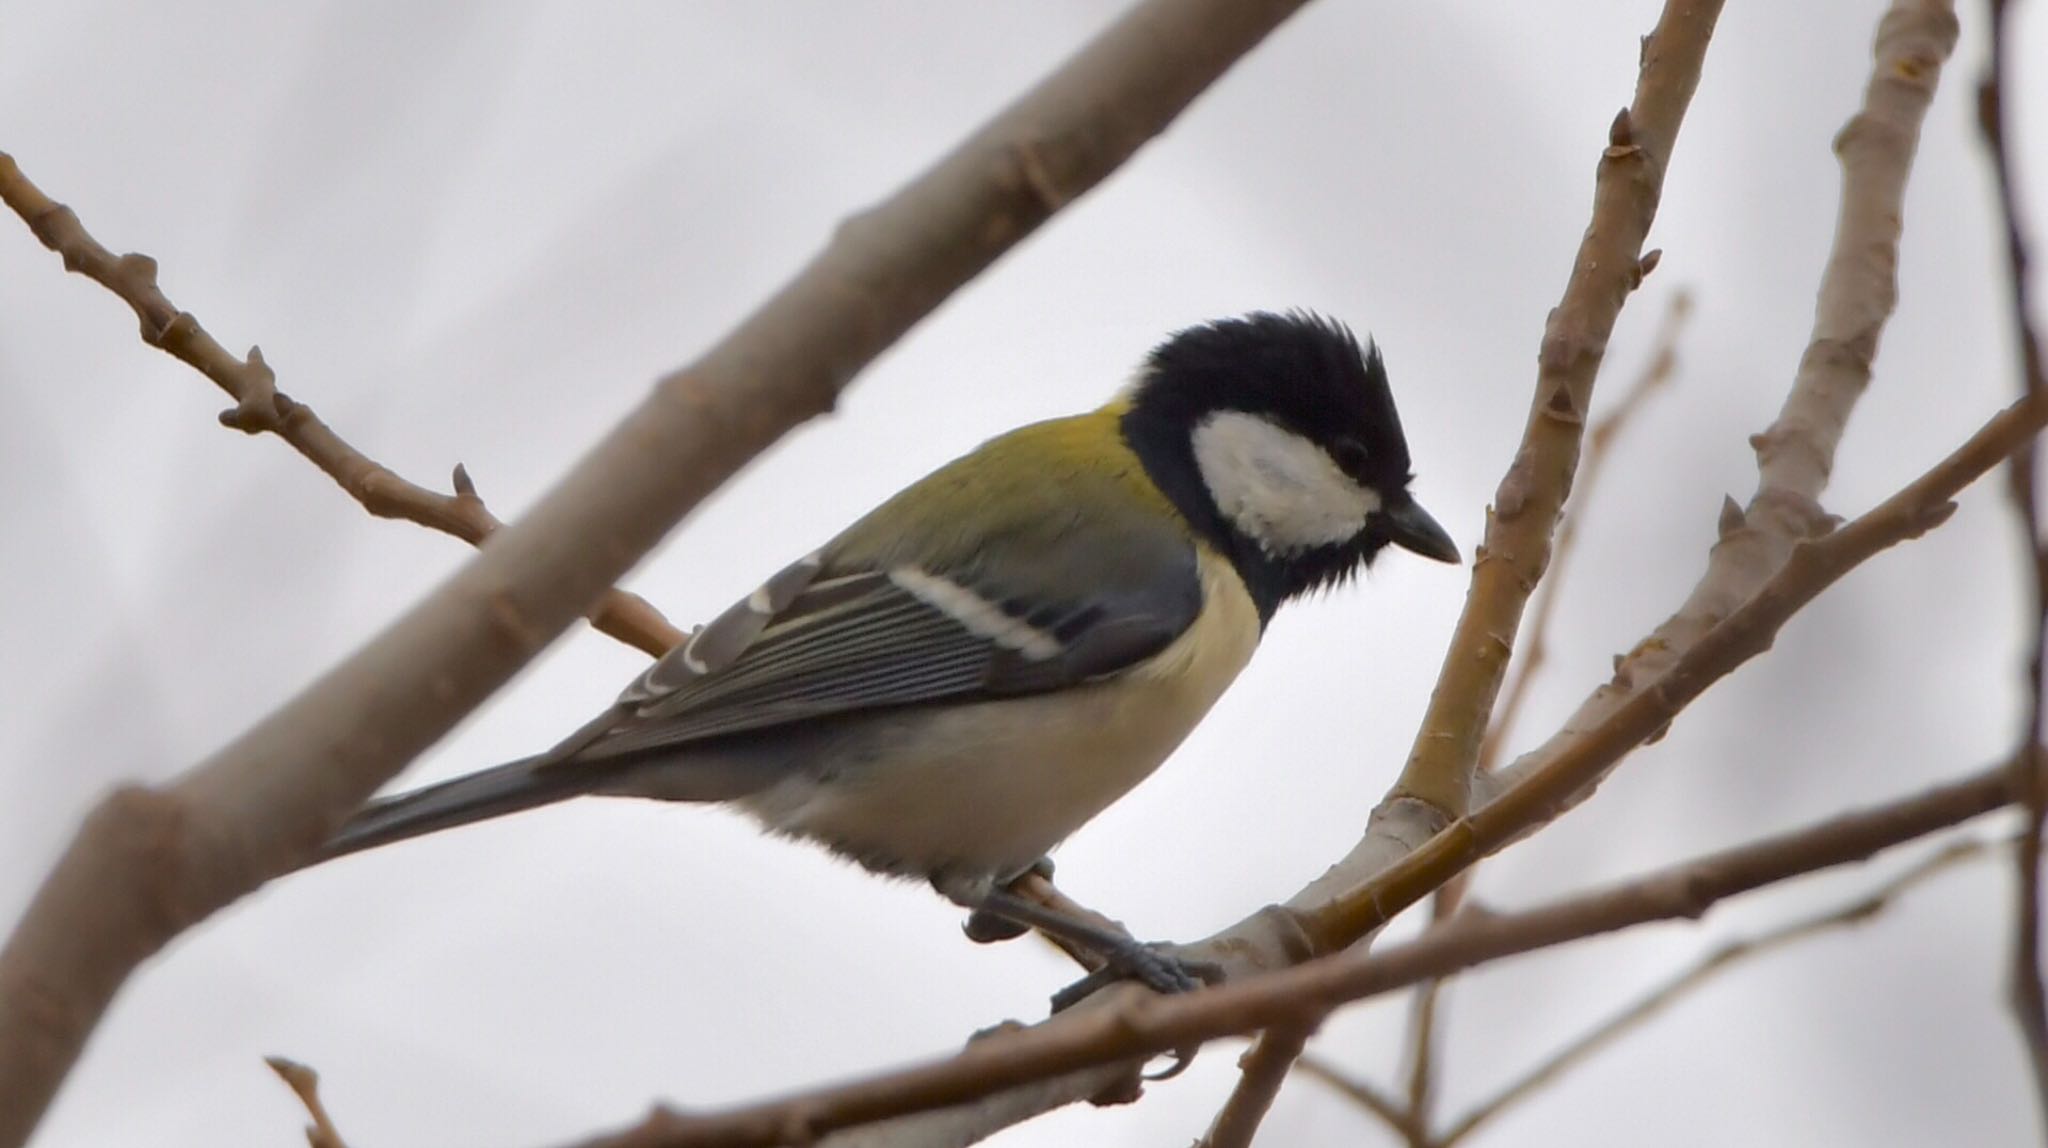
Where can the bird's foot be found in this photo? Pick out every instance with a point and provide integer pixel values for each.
(1154, 966)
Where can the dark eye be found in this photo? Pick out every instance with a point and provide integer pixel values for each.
(1350, 455)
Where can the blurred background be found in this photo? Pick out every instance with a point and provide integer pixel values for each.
(476, 232)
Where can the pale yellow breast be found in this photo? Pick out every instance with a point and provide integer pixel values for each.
(991, 787)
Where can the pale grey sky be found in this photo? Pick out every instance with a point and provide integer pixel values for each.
(476, 232)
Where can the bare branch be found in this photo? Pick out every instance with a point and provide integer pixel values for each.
(1263, 1068)
(1656, 374)
(1138, 1024)
(1812, 566)
(305, 1083)
(1858, 292)
(1584, 1046)
(150, 863)
(261, 408)
(1610, 264)
(2029, 998)
(1422, 1053)
(1369, 1097)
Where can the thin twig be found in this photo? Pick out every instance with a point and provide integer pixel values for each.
(260, 408)
(1367, 1096)
(149, 862)
(1922, 505)
(1584, 1046)
(1139, 1024)
(1422, 1050)
(1795, 455)
(1610, 264)
(2028, 996)
(1436, 782)
(1262, 1070)
(1656, 374)
(1858, 292)
(305, 1083)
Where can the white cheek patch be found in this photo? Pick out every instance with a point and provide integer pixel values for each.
(1281, 490)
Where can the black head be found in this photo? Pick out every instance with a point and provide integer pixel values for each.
(1276, 435)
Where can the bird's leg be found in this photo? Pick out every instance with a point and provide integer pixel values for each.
(1122, 956)
(984, 928)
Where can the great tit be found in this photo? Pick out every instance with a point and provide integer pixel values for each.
(972, 671)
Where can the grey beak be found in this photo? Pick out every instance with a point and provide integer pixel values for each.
(1411, 528)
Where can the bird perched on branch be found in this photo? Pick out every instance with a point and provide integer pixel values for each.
(972, 671)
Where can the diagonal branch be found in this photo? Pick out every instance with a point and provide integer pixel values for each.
(1141, 1025)
(1610, 264)
(305, 1084)
(1812, 566)
(150, 863)
(1263, 1069)
(1363, 1093)
(1600, 438)
(1583, 1047)
(1858, 291)
(1657, 373)
(261, 408)
(2029, 997)
(1600, 1036)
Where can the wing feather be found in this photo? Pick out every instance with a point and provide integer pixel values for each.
(863, 626)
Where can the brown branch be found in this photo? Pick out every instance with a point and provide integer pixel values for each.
(1422, 1051)
(2029, 997)
(1600, 1036)
(261, 408)
(1140, 1024)
(151, 862)
(1263, 1069)
(1610, 264)
(1368, 1097)
(1812, 567)
(1858, 292)
(1656, 374)
(305, 1083)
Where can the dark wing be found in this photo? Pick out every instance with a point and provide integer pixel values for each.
(817, 642)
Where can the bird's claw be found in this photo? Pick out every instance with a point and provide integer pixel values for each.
(986, 928)
(1149, 965)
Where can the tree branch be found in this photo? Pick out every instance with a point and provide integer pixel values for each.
(1395, 1115)
(1722, 958)
(261, 408)
(305, 1084)
(1858, 291)
(1139, 1024)
(1656, 374)
(1408, 1122)
(2029, 998)
(1610, 264)
(1263, 1068)
(1812, 566)
(150, 863)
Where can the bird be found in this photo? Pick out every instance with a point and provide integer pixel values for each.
(972, 671)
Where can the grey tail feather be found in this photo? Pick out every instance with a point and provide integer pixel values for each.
(494, 792)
